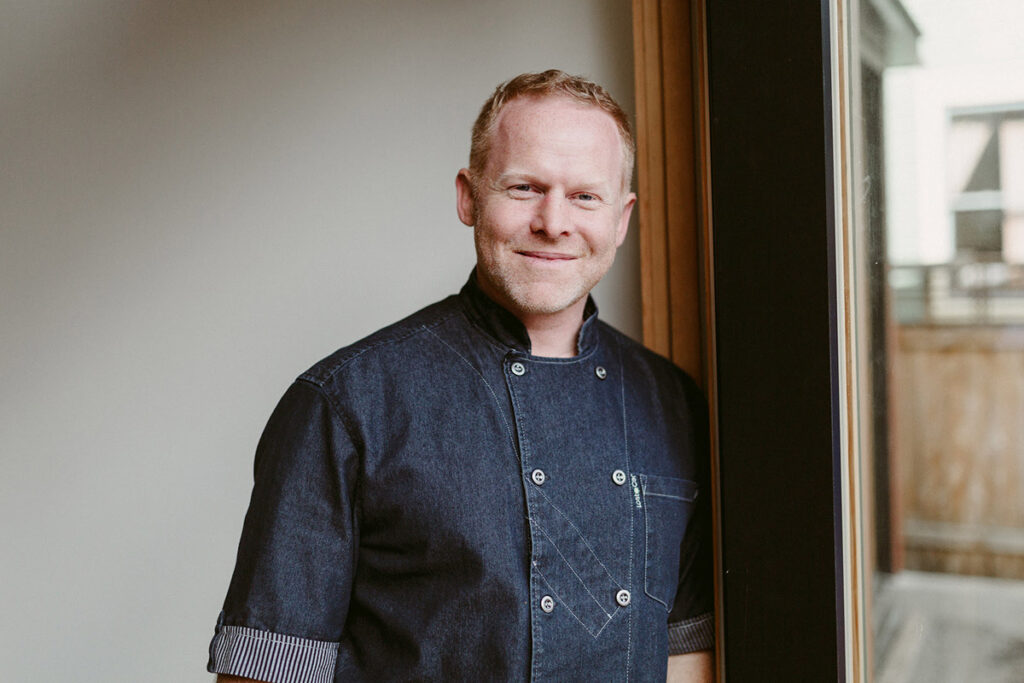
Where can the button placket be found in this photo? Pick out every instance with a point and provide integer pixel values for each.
(562, 554)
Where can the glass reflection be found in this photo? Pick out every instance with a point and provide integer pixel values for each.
(938, 96)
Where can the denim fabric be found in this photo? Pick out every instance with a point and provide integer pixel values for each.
(446, 506)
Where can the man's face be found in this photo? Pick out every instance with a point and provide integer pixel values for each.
(549, 210)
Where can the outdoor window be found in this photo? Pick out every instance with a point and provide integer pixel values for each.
(937, 268)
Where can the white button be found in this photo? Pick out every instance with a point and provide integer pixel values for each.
(538, 477)
(518, 369)
(547, 603)
(619, 477)
(622, 597)
(600, 372)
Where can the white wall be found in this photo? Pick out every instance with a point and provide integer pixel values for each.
(197, 201)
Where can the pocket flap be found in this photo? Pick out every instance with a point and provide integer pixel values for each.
(669, 487)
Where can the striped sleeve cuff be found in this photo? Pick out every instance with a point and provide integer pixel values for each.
(692, 635)
(271, 657)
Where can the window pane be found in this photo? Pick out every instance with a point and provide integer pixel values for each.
(938, 148)
(979, 233)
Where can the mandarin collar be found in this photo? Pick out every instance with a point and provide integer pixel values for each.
(506, 328)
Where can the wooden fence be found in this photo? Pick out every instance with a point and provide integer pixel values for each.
(958, 445)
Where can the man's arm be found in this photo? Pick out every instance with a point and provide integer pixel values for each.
(693, 667)
(226, 678)
(295, 556)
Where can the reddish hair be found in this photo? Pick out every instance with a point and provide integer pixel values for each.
(550, 83)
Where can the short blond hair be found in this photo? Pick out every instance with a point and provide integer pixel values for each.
(550, 83)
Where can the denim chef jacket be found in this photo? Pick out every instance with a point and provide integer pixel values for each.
(435, 503)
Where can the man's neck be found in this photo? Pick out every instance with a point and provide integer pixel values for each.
(555, 335)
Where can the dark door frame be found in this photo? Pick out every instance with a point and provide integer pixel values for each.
(773, 213)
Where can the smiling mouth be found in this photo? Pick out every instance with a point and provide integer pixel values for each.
(547, 255)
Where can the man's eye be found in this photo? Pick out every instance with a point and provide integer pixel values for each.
(522, 191)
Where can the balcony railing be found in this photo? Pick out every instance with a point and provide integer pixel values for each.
(958, 293)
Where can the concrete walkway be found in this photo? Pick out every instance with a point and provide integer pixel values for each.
(943, 628)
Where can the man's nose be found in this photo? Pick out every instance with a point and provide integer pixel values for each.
(553, 216)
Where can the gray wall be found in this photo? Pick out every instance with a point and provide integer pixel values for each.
(197, 201)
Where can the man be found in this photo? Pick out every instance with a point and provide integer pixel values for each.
(499, 487)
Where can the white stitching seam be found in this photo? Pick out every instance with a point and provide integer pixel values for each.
(647, 555)
(326, 646)
(647, 494)
(582, 537)
(571, 568)
(569, 610)
(632, 514)
(508, 429)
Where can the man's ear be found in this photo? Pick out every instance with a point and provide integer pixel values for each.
(627, 209)
(465, 203)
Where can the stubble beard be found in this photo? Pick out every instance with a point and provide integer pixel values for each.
(526, 293)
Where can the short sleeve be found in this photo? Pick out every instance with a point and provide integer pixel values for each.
(691, 622)
(288, 597)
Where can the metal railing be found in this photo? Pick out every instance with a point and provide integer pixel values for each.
(958, 293)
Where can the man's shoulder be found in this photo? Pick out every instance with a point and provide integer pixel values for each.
(635, 353)
(648, 373)
(397, 337)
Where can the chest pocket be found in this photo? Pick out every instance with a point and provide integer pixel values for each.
(668, 507)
